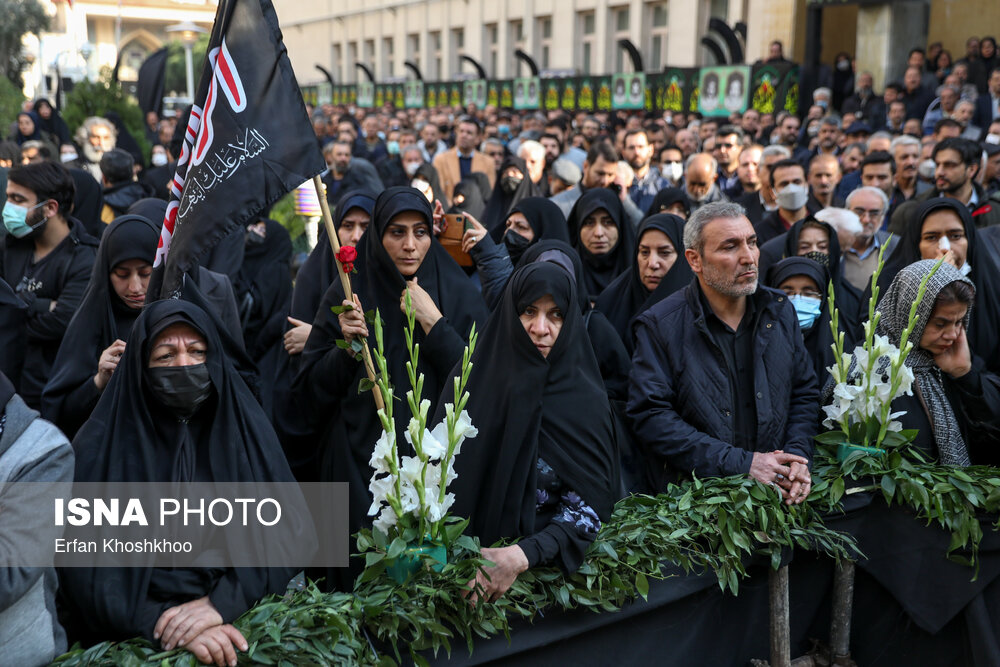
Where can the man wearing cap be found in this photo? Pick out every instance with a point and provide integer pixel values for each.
(858, 132)
(563, 175)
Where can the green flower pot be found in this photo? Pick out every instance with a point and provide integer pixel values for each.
(846, 449)
(410, 561)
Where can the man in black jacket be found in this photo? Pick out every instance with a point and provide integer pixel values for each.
(46, 257)
(721, 383)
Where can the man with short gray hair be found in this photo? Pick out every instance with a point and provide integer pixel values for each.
(721, 383)
(870, 204)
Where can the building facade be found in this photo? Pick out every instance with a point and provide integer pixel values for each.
(90, 34)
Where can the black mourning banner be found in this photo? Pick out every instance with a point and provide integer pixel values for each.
(248, 142)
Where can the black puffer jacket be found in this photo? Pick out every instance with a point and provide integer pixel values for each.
(680, 401)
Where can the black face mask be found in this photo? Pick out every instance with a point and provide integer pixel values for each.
(820, 258)
(253, 238)
(516, 245)
(181, 389)
(510, 184)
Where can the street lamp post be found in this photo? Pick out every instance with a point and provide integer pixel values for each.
(188, 33)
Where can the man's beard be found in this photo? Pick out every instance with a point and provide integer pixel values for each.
(92, 153)
(726, 284)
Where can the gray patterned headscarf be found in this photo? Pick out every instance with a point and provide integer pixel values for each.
(895, 311)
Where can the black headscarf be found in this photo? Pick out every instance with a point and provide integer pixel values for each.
(473, 202)
(626, 296)
(54, 125)
(349, 421)
(125, 140)
(131, 437)
(667, 196)
(818, 338)
(851, 304)
(101, 319)
(600, 270)
(319, 271)
(546, 220)
(612, 357)
(501, 203)
(36, 135)
(984, 274)
(88, 201)
(527, 407)
(263, 294)
(151, 208)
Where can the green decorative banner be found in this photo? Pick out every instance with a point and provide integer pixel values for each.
(413, 95)
(526, 93)
(474, 92)
(723, 90)
(365, 94)
(629, 91)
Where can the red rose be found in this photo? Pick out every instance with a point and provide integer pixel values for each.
(347, 255)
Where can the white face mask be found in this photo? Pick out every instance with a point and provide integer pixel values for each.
(159, 159)
(411, 168)
(792, 197)
(68, 157)
(420, 184)
(673, 171)
(926, 170)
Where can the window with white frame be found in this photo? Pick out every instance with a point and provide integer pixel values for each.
(457, 48)
(388, 66)
(586, 28)
(618, 29)
(515, 38)
(413, 48)
(490, 48)
(656, 36)
(435, 55)
(352, 59)
(543, 39)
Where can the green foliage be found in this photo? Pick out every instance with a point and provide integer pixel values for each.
(954, 498)
(20, 17)
(96, 98)
(175, 76)
(11, 99)
(703, 525)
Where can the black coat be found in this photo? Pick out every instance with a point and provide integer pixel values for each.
(680, 398)
(52, 293)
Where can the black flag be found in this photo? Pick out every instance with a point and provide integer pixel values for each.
(248, 141)
(152, 77)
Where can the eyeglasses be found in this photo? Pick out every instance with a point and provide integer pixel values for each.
(871, 214)
(812, 294)
(726, 146)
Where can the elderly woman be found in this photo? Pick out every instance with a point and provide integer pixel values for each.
(398, 255)
(544, 467)
(175, 410)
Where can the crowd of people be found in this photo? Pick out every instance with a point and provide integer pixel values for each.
(649, 291)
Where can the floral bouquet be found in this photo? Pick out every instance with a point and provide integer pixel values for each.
(410, 493)
(868, 381)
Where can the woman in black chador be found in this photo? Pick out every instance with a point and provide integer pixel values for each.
(95, 338)
(601, 233)
(544, 468)
(396, 254)
(659, 267)
(176, 410)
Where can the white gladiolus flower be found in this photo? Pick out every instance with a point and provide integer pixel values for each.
(436, 442)
(382, 453)
(385, 520)
(380, 488)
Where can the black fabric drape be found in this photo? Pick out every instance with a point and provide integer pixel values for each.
(102, 318)
(319, 271)
(473, 202)
(131, 438)
(818, 338)
(500, 202)
(984, 274)
(600, 270)
(626, 296)
(88, 201)
(667, 196)
(527, 406)
(328, 377)
(263, 294)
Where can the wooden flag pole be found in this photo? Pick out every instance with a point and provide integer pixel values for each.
(345, 280)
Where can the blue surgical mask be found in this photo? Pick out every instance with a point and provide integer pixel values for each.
(15, 220)
(807, 308)
(392, 147)
(503, 129)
